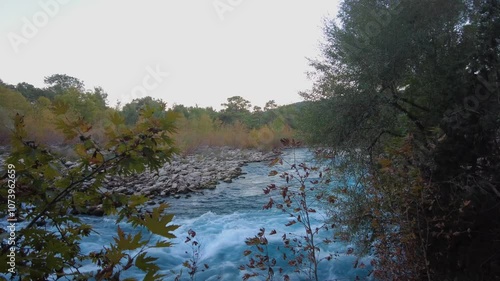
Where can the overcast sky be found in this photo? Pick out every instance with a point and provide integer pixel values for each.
(196, 52)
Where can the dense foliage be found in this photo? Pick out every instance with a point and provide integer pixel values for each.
(235, 125)
(48, 192)
(407, 98)
(405, 109)
(64, 140)
(47, 127)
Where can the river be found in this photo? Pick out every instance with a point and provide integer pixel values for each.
(223, 218)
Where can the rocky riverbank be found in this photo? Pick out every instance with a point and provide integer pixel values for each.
(203, 169)
(184, 174)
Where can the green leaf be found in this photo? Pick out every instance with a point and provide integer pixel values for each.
(68, 131)
(97, 158)
(162, 244)
(136, 200)
(80, 150)
(146, 264)
(116, 118)
(157, 223)
(50, 172)
(126, 242)
(115, 255)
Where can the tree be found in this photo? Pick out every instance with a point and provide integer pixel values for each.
(12, 102)
(270, 105)
(255, 120)
(32, 93)
(236, 104)
(58, 83)
(89, 105)
(42, 188)
(236, 108)
(131, 111)
(402, 94)
(99, 97)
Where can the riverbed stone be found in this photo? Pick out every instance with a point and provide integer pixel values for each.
(189, 173)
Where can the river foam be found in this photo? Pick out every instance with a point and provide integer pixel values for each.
(223, 218)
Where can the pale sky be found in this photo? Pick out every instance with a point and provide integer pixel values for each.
(197, 52)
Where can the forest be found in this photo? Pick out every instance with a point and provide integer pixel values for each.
(404, 111)
(238, 124)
